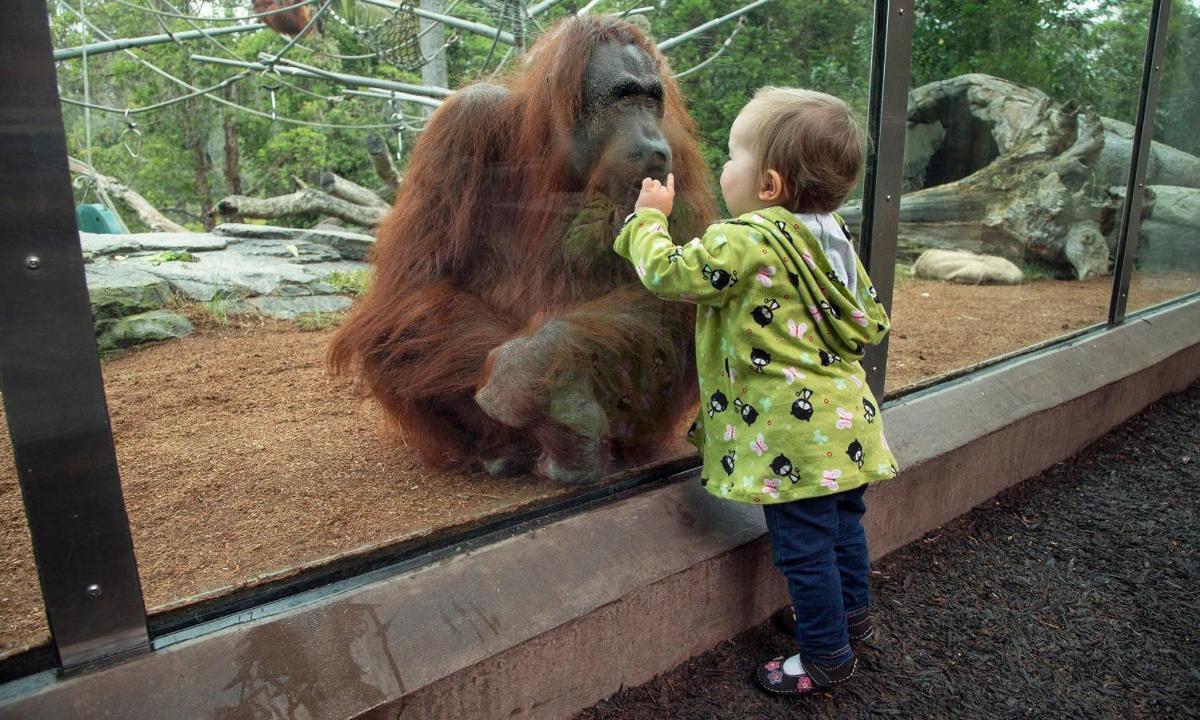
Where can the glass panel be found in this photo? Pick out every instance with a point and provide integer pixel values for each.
(22, 615)
(242, 459)
(1016, 151)
(1168, 252)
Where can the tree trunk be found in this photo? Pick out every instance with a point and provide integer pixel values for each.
(233, 162)
(147, 212)
(305, 200)
(381, 159)
(194, 138)
(340, 187)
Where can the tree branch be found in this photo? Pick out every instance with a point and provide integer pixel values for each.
(340, 187)
(147, 212)
(306, 200)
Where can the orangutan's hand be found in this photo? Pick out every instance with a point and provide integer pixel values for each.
(656, 195)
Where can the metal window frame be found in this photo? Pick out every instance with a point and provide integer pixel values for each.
(50, 369)
(887, 121)
(1135, 188)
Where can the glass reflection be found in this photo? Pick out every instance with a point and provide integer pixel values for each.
(1167, 264)
(1017, 143)
(241, 458)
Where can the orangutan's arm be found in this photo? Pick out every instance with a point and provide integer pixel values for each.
(611, 345)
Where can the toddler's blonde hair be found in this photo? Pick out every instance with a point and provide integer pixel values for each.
(813, 140)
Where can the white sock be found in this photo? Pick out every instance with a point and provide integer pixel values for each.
(792, 666)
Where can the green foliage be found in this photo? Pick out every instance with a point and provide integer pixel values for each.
(1084, 51)
(352, 282)
(172, 256)
(287, 153)
(313, 322)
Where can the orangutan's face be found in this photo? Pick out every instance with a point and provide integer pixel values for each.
(619, 138)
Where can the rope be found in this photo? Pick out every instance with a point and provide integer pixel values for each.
(211, 18)
(197, 91)
(724, 46)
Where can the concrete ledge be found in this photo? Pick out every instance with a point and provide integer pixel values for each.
(634, 587)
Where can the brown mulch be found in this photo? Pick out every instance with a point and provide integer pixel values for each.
(1073, 595)
(241, 460)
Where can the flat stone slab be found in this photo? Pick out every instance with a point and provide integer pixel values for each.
(226, 273)
(290, 308)
(278, 272)
(297, 251)
(102, 245)
(351, 245)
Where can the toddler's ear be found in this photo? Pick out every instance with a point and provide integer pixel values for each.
(771, 190)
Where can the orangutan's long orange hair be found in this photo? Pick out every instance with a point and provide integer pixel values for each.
(472, 251)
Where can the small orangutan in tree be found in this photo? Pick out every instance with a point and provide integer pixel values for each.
(500, 329)
(286, 23)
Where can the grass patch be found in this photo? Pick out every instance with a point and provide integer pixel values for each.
(352, 282)
(313, 322)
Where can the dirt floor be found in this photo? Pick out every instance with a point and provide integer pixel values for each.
(1073, 595)
(242, 461)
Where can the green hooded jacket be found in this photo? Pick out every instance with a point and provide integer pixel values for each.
(785, 410)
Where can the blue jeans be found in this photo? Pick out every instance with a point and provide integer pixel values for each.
(820, 547)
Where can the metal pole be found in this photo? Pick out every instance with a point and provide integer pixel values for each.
(290, 67)
(887, 120)
(478, 28)
(50, 369)
(125, 43)
(666, 45)
(1135, 187)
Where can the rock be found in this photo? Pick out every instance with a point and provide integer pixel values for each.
(350, 245)
(226, 273)
(968, 268)
(141, 328)
(117, 291)
(100, 245)
(304, 252)
(290, 308)
(266, 232)
(1170, 230)
(1006, 172)
(921, 141)
(284, 276)
(1087, 251)
(1166, 165)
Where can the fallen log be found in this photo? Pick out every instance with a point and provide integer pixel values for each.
(305, 200)
(340, 187)
(147, 212)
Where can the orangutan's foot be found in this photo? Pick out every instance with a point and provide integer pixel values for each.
(504, 466)
(584, 475)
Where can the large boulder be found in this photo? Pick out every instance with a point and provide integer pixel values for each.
(1170, 235)
(996, 168)
(141, 328)
(964, 267)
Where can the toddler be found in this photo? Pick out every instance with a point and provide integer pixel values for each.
(786, 418)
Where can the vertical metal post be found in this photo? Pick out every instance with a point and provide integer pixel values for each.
(1135, 187)
(50, 368)
(887, 121)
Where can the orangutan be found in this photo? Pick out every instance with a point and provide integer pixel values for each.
(500, 330)
(286, 23)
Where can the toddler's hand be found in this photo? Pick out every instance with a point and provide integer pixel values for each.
(656, 195)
